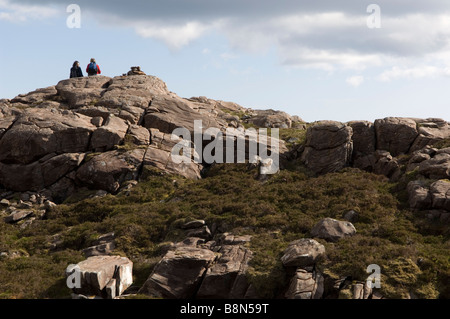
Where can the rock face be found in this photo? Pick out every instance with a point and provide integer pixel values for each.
(211, 270)
(395, 135)
(332, 229)
(433, 199)
(106, 276)
(328, 147)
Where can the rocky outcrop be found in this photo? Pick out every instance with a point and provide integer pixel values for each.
(433, 198)
(305, 285)
(437, 166)
(332, 229)
(328, 147)
(205, 270)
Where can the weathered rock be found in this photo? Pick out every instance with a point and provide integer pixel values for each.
(395, 135)
(361, 291)
(40, 174)
(303, 252)
(437, 167)
(328, 147)
(36, 97)
(202, 232)
(96, 273)
(40, 132)
(271, 119)
(386, 165)
(351, 216)
(17, 216)
(227, 277)
(135, 70)
(430, 131)
(306, 285)
(111, 133)
(364, 139)
(79, 92)
(332, 229)
(109, 170)
(179, 273)
(139, 135)
(419, 195)
(440, 194)
(230, 239)
(163, 160)
(168, 113)
(104, 245)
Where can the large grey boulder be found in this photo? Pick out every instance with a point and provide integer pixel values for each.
(302, 253)
(328, 147)
(332, 229)
(179, 273)
(395, 135)
(95, 274)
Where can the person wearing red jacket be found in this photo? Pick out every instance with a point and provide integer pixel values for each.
(93, 68)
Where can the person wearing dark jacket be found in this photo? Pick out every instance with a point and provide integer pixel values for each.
(93, 68)
(75, 71)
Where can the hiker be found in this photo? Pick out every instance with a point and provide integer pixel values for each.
(93, 68)
(75, 71)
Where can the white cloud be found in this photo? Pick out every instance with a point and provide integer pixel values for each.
(355, 81)
(13, 12)
(419, 72)
(173, 36)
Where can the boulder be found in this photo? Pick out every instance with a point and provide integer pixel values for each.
(386, 165)
(302, 253)
(395, 135)
(17, 216)
(98, 272)
(109, 170)
(104, 245)
(226, 278)
(440, 194)
(361, 291)
(40, 132)
(438, 166)
(328, 147)
(305, 285)
(419, 196)
(332, 229)
(179, 273)
(430, 131)
(138, 135)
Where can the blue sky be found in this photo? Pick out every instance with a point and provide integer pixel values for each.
(318, 60)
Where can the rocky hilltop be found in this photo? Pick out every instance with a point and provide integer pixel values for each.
(93, 155)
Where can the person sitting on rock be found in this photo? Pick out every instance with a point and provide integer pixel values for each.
(93, 68)
(75, 71)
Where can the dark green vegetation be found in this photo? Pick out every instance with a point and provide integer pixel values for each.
(276, 211)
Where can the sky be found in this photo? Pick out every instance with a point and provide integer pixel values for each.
(321, 60)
